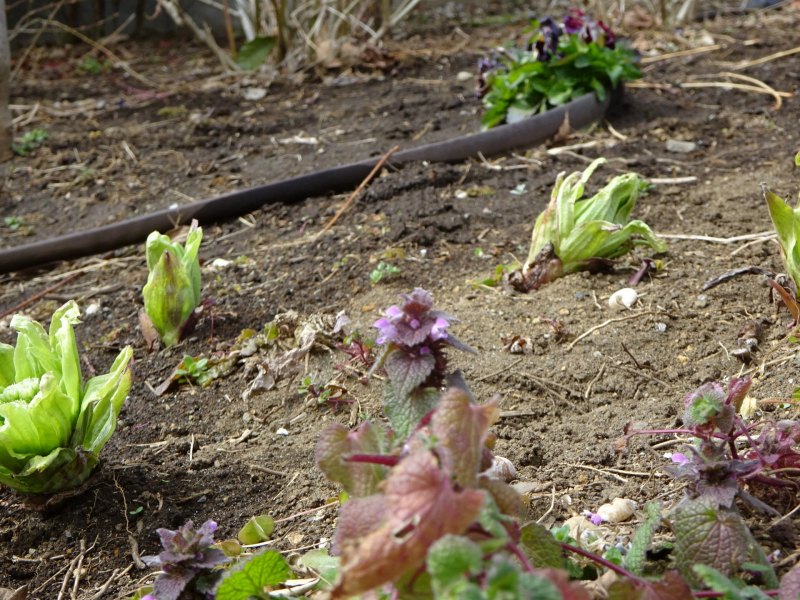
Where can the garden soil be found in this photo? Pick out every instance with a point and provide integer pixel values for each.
(118, 149)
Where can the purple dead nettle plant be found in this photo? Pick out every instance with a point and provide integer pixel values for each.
(726, 456)
(427, 476)
(415, 339)
(189, 563)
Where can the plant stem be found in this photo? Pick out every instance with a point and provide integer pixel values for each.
(622, 572)
(229, 28)
(722, 594)
(375, 459)
(514, 549)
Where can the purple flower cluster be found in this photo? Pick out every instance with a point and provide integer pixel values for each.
(589, 30)
(414, 323)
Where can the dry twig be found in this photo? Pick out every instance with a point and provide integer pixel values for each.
(33, 299)
(352, 197)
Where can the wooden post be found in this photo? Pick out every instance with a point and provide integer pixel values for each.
(5, 87)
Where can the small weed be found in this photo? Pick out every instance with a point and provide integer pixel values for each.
(520, 190)
(92, 66)
(14, 223)
(329, 393)
(172, 111)
(30, 142)
(193, 370)
(382, 270)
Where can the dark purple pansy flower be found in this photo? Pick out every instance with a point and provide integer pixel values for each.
(546, 42)
(485, 68)
(573, 22)
(610, 37)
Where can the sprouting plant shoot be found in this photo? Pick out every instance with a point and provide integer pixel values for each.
(382, 271)
(14, 223)
(330, 393)
(787, 226)
(52, 427)
(193, 567)
(93, 66)
(577, 235)
(193, 370)
(359, 347)
(30, 141)
(172, 293)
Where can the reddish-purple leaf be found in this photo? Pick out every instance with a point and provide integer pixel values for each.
(421, 507)
(407, 371)
(333, 447)
(358, 518)
(570, 590)
(673, 587)
(790, 302)
(506, 497)
(790, 585)
(461, 427)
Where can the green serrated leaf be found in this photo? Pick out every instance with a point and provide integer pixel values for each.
(541, 547)
(707, 534)
(405, 412)
(451, 559)
(407, 372)
(248, 581)
(635, 560)
(731, 589)
(760, 562)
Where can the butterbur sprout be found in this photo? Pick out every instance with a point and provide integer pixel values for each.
(52, 427)
(576, 234)
(172, 293)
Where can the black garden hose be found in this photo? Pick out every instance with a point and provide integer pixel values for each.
(527, 133)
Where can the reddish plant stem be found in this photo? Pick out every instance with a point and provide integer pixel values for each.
(622, 572)
(773, 481)
(376, 459)
(752, 442)
(514, 549)
(722, 594)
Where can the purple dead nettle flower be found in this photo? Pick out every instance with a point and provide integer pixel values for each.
(595, 518)
(679, 459)
(414, 323)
